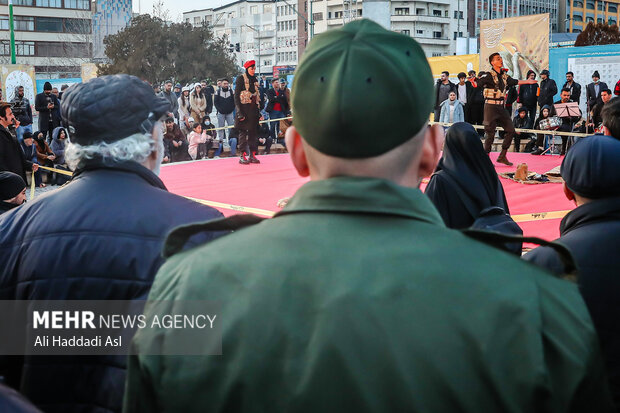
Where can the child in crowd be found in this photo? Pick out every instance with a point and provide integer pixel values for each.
(212, 141)
(197, 142)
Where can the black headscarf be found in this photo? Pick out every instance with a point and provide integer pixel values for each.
(464, 170)
(252, 80)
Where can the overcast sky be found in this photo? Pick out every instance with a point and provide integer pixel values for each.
(177, 7)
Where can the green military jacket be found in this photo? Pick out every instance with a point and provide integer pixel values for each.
(356, 298)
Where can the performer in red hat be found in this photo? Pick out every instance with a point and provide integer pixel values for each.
(247, 103)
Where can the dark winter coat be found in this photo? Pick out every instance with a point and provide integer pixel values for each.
(224, 101)
(174, 101)
(591, 97)
(40, 104)
(575, 91)
(469, 89)
(527, 95)
(247, 114)
(592, 234)
(277, 96)
(98, 238)
(30, 152)
(548, 89)
(12, 157)
(22, 109)
(437, 89)
(13, 402)
(522, 123)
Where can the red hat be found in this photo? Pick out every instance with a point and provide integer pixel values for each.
(249, 63)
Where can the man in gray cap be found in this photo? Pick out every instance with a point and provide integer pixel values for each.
(97, 238)
(376, 306)
(12, 191)
(592, 233)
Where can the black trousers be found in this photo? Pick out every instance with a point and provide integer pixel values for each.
(248, 141)
(476, 115)
(497, 115)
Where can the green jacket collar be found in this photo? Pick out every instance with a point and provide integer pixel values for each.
(363, 195)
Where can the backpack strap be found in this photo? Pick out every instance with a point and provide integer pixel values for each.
(496, 238)
(178, 237)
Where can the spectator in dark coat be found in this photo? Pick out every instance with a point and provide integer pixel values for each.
(528, 96)
(546, 90)
(46, 103)
(224, 101)
(22, 111)
(443, 87)
(464, 89)
(116, 214)
(176, 142)
(207, 91)
(45, 156)
(521, 121)
(476, 102)
(12, 157)
(30, 152)
(12, 193)
(594, 89)
(464, 174)
(574, 87)
(171, 97)
(264, 137)
(611, 118)
(59, 140)
(592, 234)
(277, 106)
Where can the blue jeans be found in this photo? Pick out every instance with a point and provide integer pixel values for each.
(274, 127)
(233, 146)
(20, 131)
(222, 120)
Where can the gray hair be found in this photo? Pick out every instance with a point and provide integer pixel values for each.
(136, 147)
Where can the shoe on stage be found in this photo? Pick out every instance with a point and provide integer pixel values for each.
(243, 160)
(253, 158)
(503, 159)
(537, 151)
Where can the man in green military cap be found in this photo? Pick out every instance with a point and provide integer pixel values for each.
(364, 300)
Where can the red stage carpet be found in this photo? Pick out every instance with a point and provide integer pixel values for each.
(257, 188)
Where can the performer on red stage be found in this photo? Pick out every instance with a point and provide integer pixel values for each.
(495, 84)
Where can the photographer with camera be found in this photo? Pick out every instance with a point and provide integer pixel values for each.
(22, 111)
(46, 103)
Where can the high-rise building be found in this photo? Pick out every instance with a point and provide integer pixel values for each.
(479, 10)
(109, 17)
(580, 12)
(272, 33)
(55, 36)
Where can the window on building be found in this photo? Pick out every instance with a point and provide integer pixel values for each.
(187, 20)
(577, 18)
(49, 3)
(338, 15)
(437, 13)
(599, 20)
(612, 8)
(589, 19)
(268, 27)
(576, 30)
(436, 54)
(267, 8)
(317, 17)
(590, 5)
(78, 26)
(21, 23)
(65, 49)
(49, 24)
(253, 9)
(419, 31)
(266, 62)
(612, 21)
(18, 2)
(601, 6)
(420, 11)
(406, 32)
(446, 13)
(329, 15)
(437, 35)
(77, 4)
(458, 15)
(294, 24)
(402, 11)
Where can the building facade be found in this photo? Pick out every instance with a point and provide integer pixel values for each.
(109, 17)
(272, 33)
(479, 10)
(55, 36)
(581, 12)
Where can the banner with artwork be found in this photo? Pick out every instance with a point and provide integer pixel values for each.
(18, 75)
(523, 43)
(89, 71)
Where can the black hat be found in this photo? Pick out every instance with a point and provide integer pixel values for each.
(47, 86)
(529, 72)
(110, 108)
(10, 185)
(27, 135)
(595, 74)
(590, 167)
(522, 109)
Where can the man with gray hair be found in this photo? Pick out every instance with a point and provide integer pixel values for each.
(97, 238)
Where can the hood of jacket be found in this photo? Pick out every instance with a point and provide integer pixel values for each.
(56, 133)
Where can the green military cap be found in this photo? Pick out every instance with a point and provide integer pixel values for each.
(361, 90)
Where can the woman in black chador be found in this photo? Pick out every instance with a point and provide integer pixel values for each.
(465, 174)
(247, 103)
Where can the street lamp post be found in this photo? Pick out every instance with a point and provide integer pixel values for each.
(13, 60)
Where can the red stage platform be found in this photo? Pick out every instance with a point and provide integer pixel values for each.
(234, 188)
